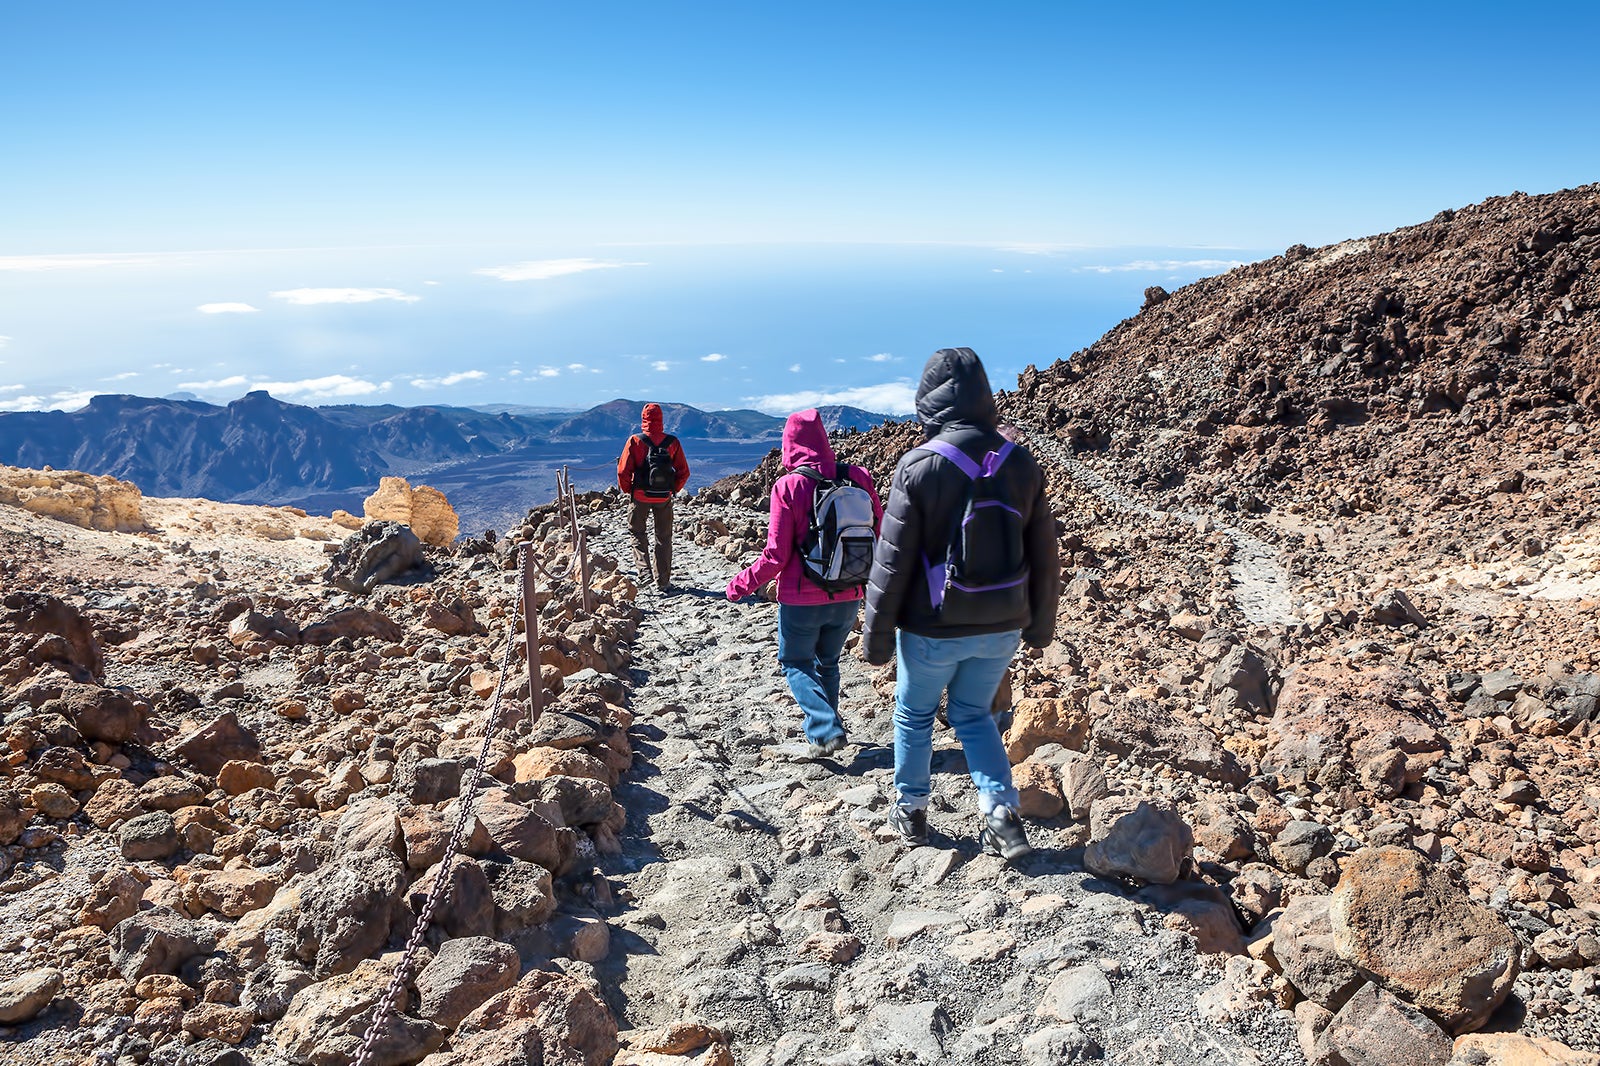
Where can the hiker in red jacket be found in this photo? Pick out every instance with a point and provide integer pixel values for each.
(821, 569)
(652, 469)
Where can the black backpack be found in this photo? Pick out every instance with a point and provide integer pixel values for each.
(983, 579)
(656, 476)
(836, 554)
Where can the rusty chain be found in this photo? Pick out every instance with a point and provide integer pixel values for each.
(440, 891)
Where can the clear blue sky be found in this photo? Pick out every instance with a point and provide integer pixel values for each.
(375, 148)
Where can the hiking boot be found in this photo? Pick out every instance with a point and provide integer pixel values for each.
(1002, 834)
(827, 747)
(910, 824)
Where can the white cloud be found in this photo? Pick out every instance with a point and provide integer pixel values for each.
(449, 379)
(881, 357)
(576, 368)
(325, 388)
(4, 340)
(1165, 266)
(545, 269)
(38, 263)
(214, 386)
(66, 400)
(124, 376)
(794, 368)
(890, 398)
(514, 373)
(714, 357)
(661, 365)
(227, 309)
(549, 372)
(344, 296)
(12, 388)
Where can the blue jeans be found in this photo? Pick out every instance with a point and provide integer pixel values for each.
(972, 669)
(810, 641)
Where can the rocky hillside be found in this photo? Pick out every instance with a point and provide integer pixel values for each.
(1313, 767)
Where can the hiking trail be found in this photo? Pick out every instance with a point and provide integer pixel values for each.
(1262, 589)
(760, 890)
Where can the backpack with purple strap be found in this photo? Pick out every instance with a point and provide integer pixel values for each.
(983, 578)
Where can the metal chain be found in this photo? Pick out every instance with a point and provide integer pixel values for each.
(441, 884)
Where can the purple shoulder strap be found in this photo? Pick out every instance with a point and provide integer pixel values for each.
(973, 470)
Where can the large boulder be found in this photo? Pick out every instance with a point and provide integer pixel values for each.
(1136, 838)
(423, 508)
(158, 940)
(347, 909)
(91, 501)
(36, 629)
(574, 1026)
(354, 623)
(1149, 733)
(1375, 1028)
(1037, 722)
(1334, 717)
(1401, 919)
(326, 1021)
(24, 996)
(1514, 1049)
(1302, 940)
(219, 742)
(376, 553)
(464, 974)
(99, 713)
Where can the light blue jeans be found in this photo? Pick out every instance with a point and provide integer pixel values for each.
(810, 640)
(971, 668)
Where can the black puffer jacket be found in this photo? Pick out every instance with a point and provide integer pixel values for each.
(955, 404)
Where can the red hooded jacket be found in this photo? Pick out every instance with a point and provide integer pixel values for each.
(805, 443)
(633, 455)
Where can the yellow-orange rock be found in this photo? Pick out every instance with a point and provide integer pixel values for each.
(423, 508)
(87, 500)
(1514, 1049)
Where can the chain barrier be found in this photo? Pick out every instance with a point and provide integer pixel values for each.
(440, 891)
(525, 605)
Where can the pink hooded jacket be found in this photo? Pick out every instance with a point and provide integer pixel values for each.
(805, 443)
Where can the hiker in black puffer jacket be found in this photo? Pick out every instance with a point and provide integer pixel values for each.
(950, 630)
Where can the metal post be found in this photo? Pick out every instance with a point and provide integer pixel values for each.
(583, 572)
(530, 628)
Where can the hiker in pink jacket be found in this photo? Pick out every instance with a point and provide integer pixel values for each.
(820, 570)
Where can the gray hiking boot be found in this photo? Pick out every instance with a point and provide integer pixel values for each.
(910, 824)
(827, 747)
(1002, 834)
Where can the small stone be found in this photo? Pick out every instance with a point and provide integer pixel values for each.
(22, 998)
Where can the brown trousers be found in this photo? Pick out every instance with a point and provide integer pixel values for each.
(638, 525)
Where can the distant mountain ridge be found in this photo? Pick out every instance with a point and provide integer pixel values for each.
(259, 449)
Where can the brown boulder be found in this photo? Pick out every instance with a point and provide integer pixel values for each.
(1037, 722)
(239, 776)
(1399, 918)
(573, 1023)
(1515, 1049)
(1376, 1028)
(1134, 838)
(1038, 789)
(423, 508)
(219, 742)
(39, 629)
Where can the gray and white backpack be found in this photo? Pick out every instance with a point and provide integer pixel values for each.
(836, 554)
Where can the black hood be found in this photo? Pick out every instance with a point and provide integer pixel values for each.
(955, 392)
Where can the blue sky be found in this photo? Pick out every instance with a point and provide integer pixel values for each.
(838, 187)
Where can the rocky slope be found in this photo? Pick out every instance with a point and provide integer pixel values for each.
(1312, 766)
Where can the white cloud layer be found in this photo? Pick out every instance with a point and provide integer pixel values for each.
(448, 379)
(545, 269)
(32, 264)
(890, 398)
(213, 386)
(325, 388)
(227, 309)
(344, 296)
(66, 400)
(661, 366)
(1166, 266)
(714, 357)
(4, 340)
(330, 387)
(12, 388)
(124, 376)
(881, 357)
